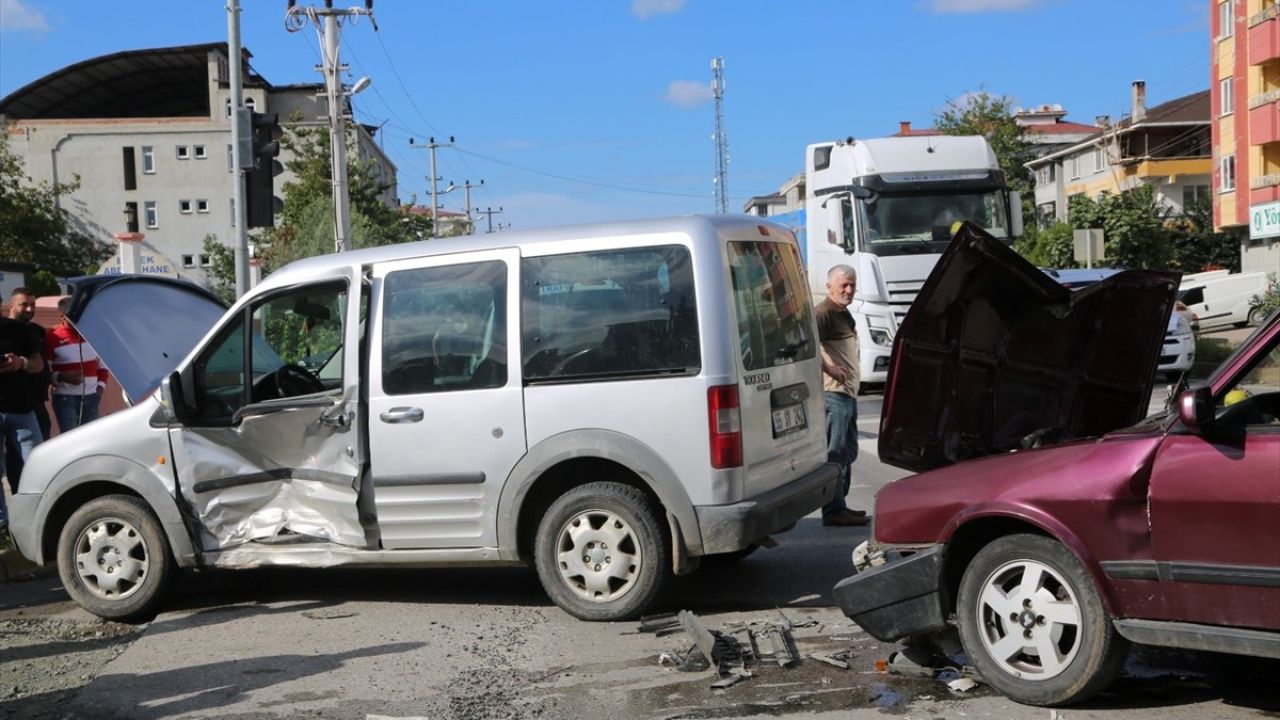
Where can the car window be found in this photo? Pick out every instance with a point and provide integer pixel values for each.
(444, 328)
(1192, 296)
(621, 313)
(1254, 399)
(286, 334)
(775, 321)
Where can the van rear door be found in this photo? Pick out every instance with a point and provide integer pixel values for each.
(779, 385)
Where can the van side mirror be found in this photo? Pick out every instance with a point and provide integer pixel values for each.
(173, 397)
(1195, 408)
(1015, 214)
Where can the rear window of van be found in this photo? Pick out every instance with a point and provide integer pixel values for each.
(609, 314)
(775, 320)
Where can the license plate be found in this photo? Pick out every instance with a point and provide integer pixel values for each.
(787, 420)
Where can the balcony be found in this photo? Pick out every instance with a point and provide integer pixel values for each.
(1264, 124)
(1264, 188)
(1264, 37)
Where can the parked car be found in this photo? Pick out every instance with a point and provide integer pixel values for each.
(1220, 297)
(1050, 524)
(575, 399)
(1179, 352)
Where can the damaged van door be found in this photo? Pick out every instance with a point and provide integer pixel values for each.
(265, 423)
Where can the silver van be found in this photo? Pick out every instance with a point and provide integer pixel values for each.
(610, 403)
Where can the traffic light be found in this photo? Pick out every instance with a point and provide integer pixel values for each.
(261, 204)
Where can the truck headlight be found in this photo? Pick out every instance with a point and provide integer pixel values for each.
(880, 336)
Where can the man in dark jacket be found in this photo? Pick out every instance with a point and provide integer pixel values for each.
(22, 308)
(19, 358)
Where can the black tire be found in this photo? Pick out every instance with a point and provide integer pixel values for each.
(608, 583)
(1255, 317)
(109, 535)
(1088, 651)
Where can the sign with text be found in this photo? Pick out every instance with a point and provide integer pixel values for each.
(1264, 220)
(151, 263)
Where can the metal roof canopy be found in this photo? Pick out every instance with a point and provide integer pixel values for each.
(155, 82)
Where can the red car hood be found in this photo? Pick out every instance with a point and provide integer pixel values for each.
(995, 356)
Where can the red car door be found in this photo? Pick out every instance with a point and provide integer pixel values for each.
(1215, 503)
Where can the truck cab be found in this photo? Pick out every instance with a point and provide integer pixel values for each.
(888, 207)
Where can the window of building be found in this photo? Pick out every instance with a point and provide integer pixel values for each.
(184, 206)
(148, 160)
(1099, 159)
(205, 261)
(231, 160)
(1227, 168)
(1226, 96)
(1191, 194)
(233, 212)
(184, 152)
(199, 152)
(251, 103)
(202, 206)
(1075, 167)
(151, 214)
(1226, 19)
(188, 261)
(130, 169)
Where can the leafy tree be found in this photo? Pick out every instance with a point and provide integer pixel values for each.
(1197, 247)
(1133, 224)
(44, 284)
(34, 228)
(1051, 247)
(1268, 301)
(222, 269)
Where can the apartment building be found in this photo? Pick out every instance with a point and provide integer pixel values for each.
(150, 130)
(1245, 87)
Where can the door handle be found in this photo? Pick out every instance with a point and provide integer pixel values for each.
(402, 415)
(337, 420)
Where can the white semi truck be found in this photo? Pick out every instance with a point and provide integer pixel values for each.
(888, 207)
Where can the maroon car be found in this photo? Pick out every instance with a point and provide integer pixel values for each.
(1055, 525)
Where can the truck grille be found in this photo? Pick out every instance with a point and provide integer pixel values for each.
(901, 295)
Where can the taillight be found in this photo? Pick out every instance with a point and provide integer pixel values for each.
(725, 426)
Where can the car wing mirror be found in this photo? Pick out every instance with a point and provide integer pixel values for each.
(173, 397)
(1195, 409)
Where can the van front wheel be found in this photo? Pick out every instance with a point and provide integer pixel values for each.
(601, 553)
(114, 559)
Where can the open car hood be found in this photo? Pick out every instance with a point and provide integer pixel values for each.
(141, 326)
(994, 355)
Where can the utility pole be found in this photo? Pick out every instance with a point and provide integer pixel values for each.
(489, 213)
(722, 142)
(295, 19)
(466, 186)
(241, 219)
(435, 204)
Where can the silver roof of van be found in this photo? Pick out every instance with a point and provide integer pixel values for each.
(532, 240)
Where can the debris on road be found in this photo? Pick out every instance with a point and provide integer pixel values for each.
(839, 659)
(735, 650)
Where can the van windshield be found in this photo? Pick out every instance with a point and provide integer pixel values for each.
(775, 315)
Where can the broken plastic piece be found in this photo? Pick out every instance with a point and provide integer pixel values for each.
(730, 680)
(962, 685)
(901, 663)
(840, 659)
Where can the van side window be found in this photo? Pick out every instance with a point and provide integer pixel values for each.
(445, 328)
(1193, 296)
(294, 339)
(612, 313)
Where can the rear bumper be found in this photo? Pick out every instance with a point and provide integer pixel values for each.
(900, 598)
(726, 528)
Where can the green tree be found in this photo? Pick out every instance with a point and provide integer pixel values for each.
(222, 269)
(1051, 247)
(991, 116)
(1133, 225)
(34, 228)
(1196, 246)
(44, 284)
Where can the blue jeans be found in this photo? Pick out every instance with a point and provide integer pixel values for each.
(842, 443)
(72, 411)
(23, 432)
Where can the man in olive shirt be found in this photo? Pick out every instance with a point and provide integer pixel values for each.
(839, 339)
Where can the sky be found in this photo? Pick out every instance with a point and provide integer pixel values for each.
(583, 110)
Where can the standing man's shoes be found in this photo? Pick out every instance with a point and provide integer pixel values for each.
(845, 518)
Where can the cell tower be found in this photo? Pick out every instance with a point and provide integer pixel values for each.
(722, 142)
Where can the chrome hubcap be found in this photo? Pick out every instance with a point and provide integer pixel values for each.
(598, 555)
(1029, 620)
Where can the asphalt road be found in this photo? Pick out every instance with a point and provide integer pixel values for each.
(480, 644)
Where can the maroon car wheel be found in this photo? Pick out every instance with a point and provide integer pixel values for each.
(1033, 624)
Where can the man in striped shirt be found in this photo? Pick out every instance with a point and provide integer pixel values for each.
(79, 378)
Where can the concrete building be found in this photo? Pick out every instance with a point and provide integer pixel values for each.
(1166, 146)
(789, 198)
(151, 130)
(1245, 85)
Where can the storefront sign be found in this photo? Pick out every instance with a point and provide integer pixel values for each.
(1264, 221)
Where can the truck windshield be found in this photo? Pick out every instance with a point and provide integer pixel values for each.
(897, 224)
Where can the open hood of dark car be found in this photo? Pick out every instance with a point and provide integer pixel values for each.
(995, 356)
(141, 326)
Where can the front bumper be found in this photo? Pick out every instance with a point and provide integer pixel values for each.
(1178, 353)
(727, 528)
(22, 526)
(900, 598)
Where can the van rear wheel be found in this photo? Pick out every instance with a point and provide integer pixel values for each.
(601, 552)
(114, 559)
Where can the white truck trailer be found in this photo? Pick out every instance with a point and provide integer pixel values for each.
(888, 208)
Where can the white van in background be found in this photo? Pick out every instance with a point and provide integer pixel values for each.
(1221, 297)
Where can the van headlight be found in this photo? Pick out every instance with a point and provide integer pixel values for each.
(1181, 326)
